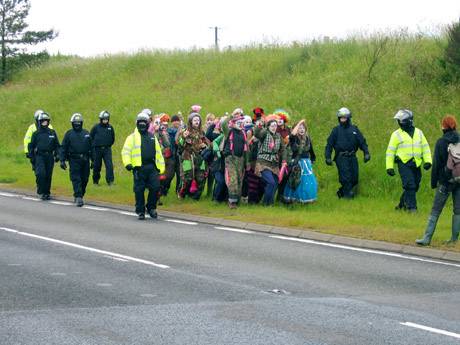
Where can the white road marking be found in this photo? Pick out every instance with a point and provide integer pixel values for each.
(431, 329)
(63, 203)
(96, 208)
(127, 213)
(148, 295)
(181, 221)
(233, 229)
(104, 284)
(9, 230)
(9, 195)
(90, 249)
(14, 264)
(30, 198)
(58, 274)
(371, 251)
(115, 258)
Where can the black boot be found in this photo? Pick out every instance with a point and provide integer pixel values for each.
(153, 213)
(430, 227)
(79, 201)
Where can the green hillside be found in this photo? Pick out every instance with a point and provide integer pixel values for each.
(311, 81)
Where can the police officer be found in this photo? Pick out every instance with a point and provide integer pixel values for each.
(346, 139)
(142, 155)
(77, 149)
(43, 150)
(103, 137)
(409, 148)
(28, 136)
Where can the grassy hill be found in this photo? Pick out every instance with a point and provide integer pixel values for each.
(311, 81)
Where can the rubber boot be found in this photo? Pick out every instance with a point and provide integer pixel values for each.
(455, 229)
(430, 227)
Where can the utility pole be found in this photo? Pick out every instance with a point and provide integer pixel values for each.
(216, 36)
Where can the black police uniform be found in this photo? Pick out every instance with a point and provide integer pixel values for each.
(44, 151)
(146, 176)
(345, 139)
(103, 137)
(77, 149)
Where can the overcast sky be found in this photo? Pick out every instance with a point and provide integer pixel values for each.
(93, 27)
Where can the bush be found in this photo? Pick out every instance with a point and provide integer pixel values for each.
(451, 60)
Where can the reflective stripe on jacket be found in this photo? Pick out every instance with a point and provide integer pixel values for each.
(405, 147)
(131, 152)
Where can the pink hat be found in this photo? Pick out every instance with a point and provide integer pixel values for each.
(196, 108)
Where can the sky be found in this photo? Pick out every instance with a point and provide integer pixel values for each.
(97, 27)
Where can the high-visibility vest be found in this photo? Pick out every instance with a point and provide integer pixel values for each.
(131, 152)
(28, 137)
(405, 147)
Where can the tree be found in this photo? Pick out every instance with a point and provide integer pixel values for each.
(13, 14)
(451, 61)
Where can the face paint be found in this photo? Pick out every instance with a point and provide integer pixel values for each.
(273, 126)
(239, 124)
(196, 122)
(280, 122)
(302, 130)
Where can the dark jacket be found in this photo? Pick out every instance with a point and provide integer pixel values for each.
(76, 143)
(299, 151)
(44, 142)
(102, 135)
(439, 174)
(345, 138)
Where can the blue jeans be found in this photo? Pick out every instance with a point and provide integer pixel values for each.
(271, 183)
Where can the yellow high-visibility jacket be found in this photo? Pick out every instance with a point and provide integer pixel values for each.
(131, 152)
(28, 137)
(405, 147)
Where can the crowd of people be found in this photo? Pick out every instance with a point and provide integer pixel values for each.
(260, 158)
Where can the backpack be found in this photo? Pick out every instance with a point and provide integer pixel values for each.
(453, 162)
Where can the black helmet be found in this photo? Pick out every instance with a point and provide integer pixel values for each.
(43, 117)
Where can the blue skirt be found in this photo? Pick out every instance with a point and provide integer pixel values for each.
(307, 190)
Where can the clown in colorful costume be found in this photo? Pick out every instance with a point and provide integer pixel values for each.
(192, 142)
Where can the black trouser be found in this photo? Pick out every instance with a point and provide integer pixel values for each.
(441, 196)
(410, 177)
(347, 166)
(177, 169)
(79, 175)
(144, 177)
(170, 171)
(44, 164)
(103, 153)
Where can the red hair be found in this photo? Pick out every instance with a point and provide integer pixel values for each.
(449, 122)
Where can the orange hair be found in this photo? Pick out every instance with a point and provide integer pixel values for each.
(449, 122)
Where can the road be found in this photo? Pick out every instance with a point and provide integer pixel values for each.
(96, 275)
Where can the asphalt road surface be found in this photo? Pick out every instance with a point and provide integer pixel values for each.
(96, 275)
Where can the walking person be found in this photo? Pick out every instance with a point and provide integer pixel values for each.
(442, 180)
(77, 149)
(142, 155)
(235, 152)
(271, 155)
(103, 137)
(301, 186)
(345, 139)
(43, 150)
(409, 148)
(28, 137)
(192, 143)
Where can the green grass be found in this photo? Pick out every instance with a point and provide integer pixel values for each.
(311, 81)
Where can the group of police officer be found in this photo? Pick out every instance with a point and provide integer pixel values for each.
(83, 151)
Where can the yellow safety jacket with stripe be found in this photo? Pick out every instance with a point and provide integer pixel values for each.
(28, 137)
(131, 152)
(405, 147)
